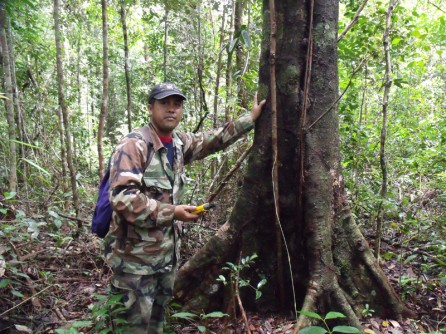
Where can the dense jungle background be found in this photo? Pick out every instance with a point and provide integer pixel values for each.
(75, 79)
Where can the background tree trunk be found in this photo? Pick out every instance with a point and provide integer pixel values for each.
(126, 66)
(240, 56)
(331, 267)
(12, 174)
(64, 110)
(382, 151)
(105, 80)
(229, 88)
(219, 67)
(166, 36)
(19, 120)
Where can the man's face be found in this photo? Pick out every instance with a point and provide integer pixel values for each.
(165, 114)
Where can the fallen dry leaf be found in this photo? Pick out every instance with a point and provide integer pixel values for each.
(395, 324)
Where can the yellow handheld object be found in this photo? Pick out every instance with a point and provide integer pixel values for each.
(203, 208)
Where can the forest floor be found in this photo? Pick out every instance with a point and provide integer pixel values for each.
(65, 275)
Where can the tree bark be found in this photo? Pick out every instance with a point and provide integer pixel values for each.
(126, 66)
(330, 265)
(105, 80)
(12, 175)
(64, 110)
(275, 149)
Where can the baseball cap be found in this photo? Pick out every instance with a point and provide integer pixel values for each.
(165, 89)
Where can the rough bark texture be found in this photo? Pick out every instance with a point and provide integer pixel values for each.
(332, 266)
(12, 175)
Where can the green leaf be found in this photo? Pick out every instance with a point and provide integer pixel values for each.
(416, 34)
(232, 45)
(410, 258)
(258, 294)
(310, 314)
(313, 330)
(399, 82)
(17, 293)
(216, 314)
(246, 38)
(222, 279)
(346, 329)
(10, 195)
(334, 315)
(25, 144)
(184, 315)
(201, 328)
(396, 40)
(115, 299)
(82, 323)
(4, 283)
(32, 163)
(261, 283)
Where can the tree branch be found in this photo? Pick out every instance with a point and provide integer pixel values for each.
(234, 168)
(340, 96)
(353, 21)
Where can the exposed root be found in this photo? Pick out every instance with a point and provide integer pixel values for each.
(364, 251)
(312, 295)
(345, 306)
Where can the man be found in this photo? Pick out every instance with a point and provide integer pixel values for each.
(143, 244)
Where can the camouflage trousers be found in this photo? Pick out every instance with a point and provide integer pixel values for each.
(144, 299)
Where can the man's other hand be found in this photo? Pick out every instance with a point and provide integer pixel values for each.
(184, 213)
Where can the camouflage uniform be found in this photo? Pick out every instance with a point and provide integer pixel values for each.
(143, 244)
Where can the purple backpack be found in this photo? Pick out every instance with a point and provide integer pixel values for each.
(103, 211)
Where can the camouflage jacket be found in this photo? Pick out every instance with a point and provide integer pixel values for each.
(143, 237)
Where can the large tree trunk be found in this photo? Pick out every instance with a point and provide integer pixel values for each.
(12, 175)
(331, 266)
(64, 110)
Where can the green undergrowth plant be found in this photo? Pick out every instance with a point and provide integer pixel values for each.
(326, 329)
(103, 311)
(235, 280)
(197, 320)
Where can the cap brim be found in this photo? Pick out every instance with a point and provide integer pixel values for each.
(167, 93)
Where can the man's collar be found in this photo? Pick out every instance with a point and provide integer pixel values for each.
(157, 143)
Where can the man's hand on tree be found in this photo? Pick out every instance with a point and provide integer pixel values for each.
(257, 108)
